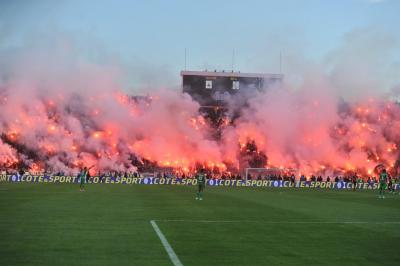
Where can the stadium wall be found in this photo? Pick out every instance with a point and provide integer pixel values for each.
(190, 182)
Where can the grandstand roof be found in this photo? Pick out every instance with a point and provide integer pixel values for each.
(230, 74)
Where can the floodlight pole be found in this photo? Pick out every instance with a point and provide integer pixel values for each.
(185, 59)
(233, 60)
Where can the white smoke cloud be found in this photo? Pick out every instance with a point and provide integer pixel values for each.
(64, 109)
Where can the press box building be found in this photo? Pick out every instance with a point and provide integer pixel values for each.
(214, 88)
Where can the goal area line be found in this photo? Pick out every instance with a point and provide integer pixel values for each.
(275, 222)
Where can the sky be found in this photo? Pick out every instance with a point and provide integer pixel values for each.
(147, 37)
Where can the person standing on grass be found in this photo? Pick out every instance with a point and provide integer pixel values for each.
(392, 184)
(354, 181)
(201, 182)
(82, 177)
(396, 183)
(382, 184)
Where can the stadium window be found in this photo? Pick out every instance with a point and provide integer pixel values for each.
(235, 85)
(208, 84)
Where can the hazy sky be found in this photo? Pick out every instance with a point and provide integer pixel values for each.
(154, 34)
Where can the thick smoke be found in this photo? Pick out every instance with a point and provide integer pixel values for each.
(339, 120)
(315, 131)
(60, 111)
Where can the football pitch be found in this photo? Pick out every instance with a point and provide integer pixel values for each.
(55, 224)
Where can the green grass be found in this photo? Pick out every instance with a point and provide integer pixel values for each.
(55, 224)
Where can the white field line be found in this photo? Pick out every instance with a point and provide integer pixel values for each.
(174, 258)
(278, 222)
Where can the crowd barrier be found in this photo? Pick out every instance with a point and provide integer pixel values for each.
(190, 182)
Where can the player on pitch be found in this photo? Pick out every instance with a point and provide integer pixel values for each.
(382, 183)
(82, 177)
(395, 182)
(392, 184)
(201, 182)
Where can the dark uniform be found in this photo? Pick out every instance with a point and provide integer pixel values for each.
(354, 180)
(201, 182)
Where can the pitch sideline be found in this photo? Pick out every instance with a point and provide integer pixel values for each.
(171, 253)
